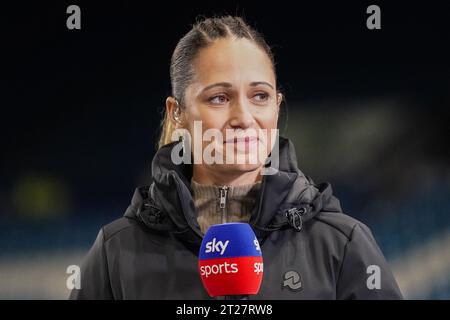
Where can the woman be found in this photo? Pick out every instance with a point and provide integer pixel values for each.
(223, 77)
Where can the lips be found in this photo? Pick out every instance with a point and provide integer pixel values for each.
(242, 140)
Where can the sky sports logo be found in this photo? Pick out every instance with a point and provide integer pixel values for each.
(230, 260)
(214, 269)
(220, 246)
(216, 246)
(225, 267)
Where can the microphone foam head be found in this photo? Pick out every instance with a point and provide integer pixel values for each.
(230, 260)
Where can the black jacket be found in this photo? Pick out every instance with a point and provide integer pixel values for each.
(311, 249)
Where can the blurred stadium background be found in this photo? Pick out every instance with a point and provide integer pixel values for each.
(368, 112)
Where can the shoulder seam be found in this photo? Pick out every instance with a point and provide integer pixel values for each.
(106, 262)
(110, 236)
(335, 227)
(341, 267)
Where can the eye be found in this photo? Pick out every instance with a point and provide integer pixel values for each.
(219, 99)
(261, 97)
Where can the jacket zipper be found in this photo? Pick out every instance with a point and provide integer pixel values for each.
(223, 202)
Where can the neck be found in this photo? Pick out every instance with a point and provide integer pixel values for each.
(210, 176)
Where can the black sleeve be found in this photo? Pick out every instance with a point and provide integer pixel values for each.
(94, 274)
(364, 273)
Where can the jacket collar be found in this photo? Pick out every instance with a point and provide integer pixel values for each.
(167, 204)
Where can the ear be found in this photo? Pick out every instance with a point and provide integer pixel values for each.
(172, 108)
(280, 99)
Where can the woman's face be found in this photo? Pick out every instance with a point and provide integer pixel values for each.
(233, 91)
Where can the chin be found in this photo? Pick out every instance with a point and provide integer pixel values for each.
(238, 168)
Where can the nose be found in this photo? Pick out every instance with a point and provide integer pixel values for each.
(241, 117)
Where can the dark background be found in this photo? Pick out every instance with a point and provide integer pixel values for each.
(80, 111)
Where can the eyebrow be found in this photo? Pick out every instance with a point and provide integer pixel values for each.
(229, 85)
(257, 83)
(219, 84)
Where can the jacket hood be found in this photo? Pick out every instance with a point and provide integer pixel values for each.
(288, 198)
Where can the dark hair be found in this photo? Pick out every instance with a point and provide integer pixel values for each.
(202, 34)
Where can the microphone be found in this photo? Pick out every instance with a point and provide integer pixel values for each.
(230, 261)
